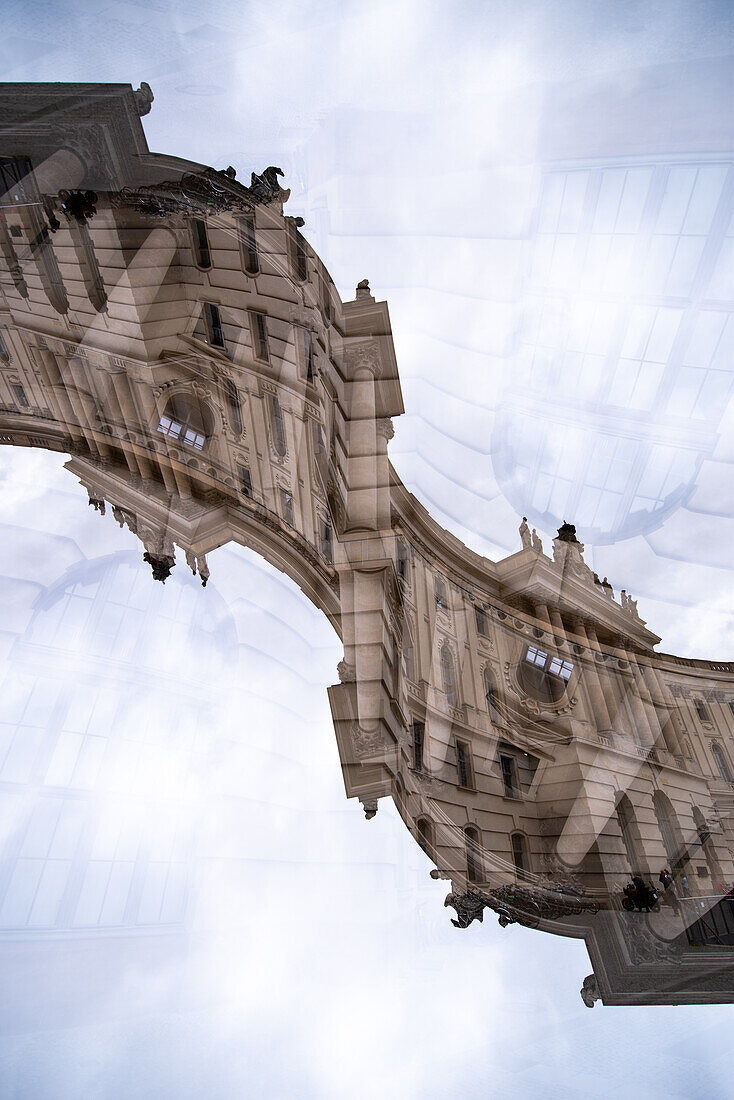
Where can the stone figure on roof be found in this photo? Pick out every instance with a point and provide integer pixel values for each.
(524, 530)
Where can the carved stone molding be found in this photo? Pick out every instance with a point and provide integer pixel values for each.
(363, 356)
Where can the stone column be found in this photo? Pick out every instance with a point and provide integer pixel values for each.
(663, 709)
(590, 674)
(363, 367)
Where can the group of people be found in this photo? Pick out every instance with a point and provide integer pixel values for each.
(641, 895)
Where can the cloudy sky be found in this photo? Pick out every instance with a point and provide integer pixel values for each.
(320, 962)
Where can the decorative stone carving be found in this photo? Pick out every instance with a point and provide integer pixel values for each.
(537, 542)
(385, 428)
(96, 502)
(568, 554)
(202, 193)
(469, 907)
(143, 98)
(161, 566)
(525, 535)
(364, 356)
(368, 742)
(590, 991)
(347, 673)
(643, 945)
(370, 807)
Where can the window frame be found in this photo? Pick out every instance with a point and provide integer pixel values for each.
(214, 326)
(418, 745)
(201, 244)
(509, 775)
(260, 335)
(249, 253)
(464, 763)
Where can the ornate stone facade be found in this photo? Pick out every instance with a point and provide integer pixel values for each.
(192, 355)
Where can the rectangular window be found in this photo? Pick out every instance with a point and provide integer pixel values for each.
(298, 246)
(701, 710)
(278, 424)
(4, 353)
(260, 336)
(481, 619)
(402, 561)
(731, 705)
(327, 549)
(325, 296)
(441, 600)
(245, 481)
(248, 243)
(305, 352)
(408, 662)
(286, 504)
(214, 325)
(318, 440)
(419, 731)
(201, 244)
(463, 764)
(560, 668)
(19, 395)
(536, 656)
(518, 852)
(507, 765)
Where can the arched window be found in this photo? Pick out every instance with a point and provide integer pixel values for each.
(426, 836)
(544, 675)
(278, 426)
(473, 845)
(519, 854)
(669, 830)
(721, 762)
(448, 674)
(188, 420)
(233, 403)
(490, 695)
(631, 836)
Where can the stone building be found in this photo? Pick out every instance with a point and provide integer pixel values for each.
(171, 330)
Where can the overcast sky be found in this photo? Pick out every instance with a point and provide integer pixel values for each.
(324, 963)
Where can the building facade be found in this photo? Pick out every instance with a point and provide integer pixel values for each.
(172, 331)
